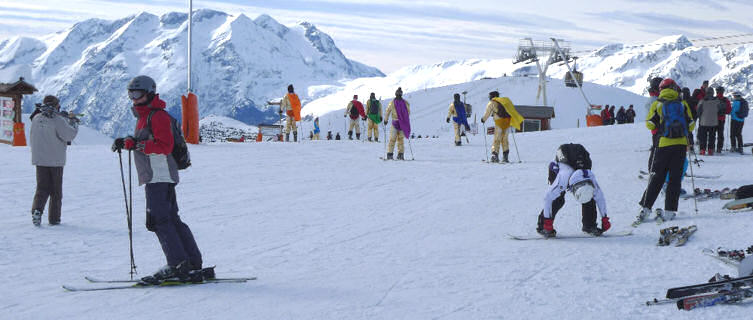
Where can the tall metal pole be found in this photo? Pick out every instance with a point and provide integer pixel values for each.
(190, 39)
(559, 51)
(542, 74)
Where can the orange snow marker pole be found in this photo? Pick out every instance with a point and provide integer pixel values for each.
(190, 108)
(19, 136)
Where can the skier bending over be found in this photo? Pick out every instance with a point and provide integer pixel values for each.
(571, 171)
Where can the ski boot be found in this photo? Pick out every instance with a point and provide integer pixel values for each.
(36, 217)
(183, 272)
(376, 139)
(350, 135)
(400, 156)
(358, 136)
(504, 156)
(495, 157)
(287, 137)
(546, 228)
(295, 136)
(593, 230)
(389, 155)
(645, 212)
(457, 143)
(668, 215)
(369, 139)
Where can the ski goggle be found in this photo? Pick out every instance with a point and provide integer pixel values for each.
(136, 94)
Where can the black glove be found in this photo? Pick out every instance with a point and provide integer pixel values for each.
(448, 120)
(482, 120)
(467, 128)
(117, 145)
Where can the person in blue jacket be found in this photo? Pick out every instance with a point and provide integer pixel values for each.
(739, 113)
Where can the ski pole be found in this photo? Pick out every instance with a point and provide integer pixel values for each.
(516, 144)
(128, 211)
(411, 148)
(650, 172)
(692, 182)
(384, 132)
(486, 152)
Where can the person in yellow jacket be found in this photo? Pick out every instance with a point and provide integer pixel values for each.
(399, 110)
(291, 105)
(671, 116)
(374, 115)
(504, 115)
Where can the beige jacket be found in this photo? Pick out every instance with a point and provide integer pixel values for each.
(285, 104)
(392, 112)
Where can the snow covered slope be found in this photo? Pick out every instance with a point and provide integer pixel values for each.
(429, 107)
(334, 233)
(239, 64)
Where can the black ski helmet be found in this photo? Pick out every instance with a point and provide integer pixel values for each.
(655, 82)
(290, 88)
(144, 83)
(399, 92)
(719, 90)
(456, 97)
(493, 94)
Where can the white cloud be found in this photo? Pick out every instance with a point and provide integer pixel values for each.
(391, 34)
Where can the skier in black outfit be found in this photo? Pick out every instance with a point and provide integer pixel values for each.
(571, 171)
(672, 118)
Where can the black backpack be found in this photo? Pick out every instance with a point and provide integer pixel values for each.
(742, 113)
(374, 106)
(501, 112)
(574, 155)
(354, 111)
(744, 192)
(180, 148)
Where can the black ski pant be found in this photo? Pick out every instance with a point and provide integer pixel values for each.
(49, 185)
(706, 137)
(670, 160)
(162, 218)
(720, 136)
(588, 211)
(654, 144)
(736, 135)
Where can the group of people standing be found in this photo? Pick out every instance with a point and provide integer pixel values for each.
(608, 116)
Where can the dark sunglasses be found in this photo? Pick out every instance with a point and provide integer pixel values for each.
(136, 94)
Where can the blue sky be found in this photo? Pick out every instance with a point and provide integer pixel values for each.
(392, 34)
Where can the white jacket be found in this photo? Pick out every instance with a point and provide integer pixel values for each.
(567, 177)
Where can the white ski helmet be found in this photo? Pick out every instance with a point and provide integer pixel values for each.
(583, 191)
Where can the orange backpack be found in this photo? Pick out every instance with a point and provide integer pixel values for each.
(295, 103)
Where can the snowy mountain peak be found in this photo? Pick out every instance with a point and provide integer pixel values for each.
(239, 64)
(269, 23)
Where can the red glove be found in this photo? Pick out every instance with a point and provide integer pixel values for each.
(129, 143)
(605, 225)
(548, 224)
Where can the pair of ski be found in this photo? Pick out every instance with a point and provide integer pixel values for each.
(572, 236)
(681, 235)
(498, 162)
(645, 174)
(137, 284)
(729, 257)
(385, 159)
(708, 294)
